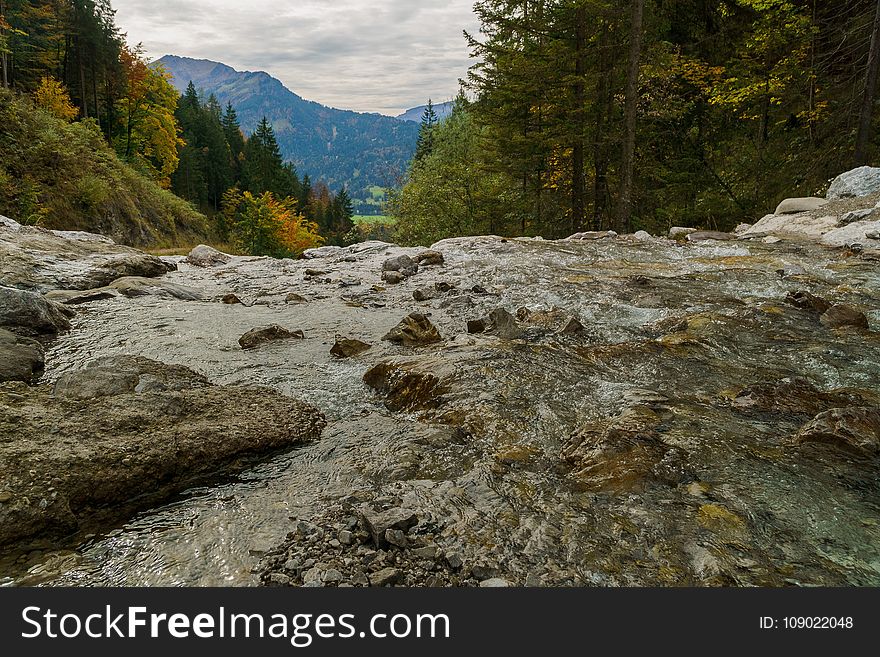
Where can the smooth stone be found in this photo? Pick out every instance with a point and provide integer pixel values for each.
(803, 204)
(260, 336)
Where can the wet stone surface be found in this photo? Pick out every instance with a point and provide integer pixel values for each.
(682, 432)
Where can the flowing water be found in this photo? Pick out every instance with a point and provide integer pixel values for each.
(622, 455)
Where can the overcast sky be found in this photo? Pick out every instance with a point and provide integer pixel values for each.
(367, 55)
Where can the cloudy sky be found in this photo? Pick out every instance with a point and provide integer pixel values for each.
(366, 55)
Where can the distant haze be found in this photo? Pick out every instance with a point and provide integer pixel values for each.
(367, 55)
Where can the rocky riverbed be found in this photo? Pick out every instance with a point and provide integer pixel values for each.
(594, 411)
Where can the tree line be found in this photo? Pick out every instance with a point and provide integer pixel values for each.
(629, 114)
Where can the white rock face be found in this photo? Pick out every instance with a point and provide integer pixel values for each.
(6, 222)
(798, 205)
(854, 233)
(794, 225)
(643, 236)
(856, 183)
(80, 236)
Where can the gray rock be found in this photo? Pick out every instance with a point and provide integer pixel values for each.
(494, 583)
(703, 235)
(9, 224)
(841, 315)
(39, 260)
(28, 313)
(206, 256)
(643, 236)
(260, 336)
(428, 552)
(502, 324)
(393, 277)
(345, 537)
(679, 233)
(855, 183)
(386, 577)
(332, 576)
(293, 297)
(593, 235)
(572, 326)
(119, 375)
(278, 580)
(396, 538)
(797, 205)
(323, 252)
(21, 359)
(453, 559)
(231, 300)
(429, 258)
(82, 236)
(855, 215)
(138, 286)
(107, 456)
(414, 330)
(853, 429)
(403, 264)
(75, 298)
(425, 294)
(349, 348)
(379, 522)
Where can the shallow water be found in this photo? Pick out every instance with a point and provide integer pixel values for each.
(716, 495)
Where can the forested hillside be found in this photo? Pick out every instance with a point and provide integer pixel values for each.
(636, 114)
(341, 148)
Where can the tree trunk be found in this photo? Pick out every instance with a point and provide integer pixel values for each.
(600, 151)
(631, 115)
(867, 113)
(578, 209)
(4, 64)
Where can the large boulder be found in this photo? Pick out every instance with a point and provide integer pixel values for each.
(798, 205)
(41, 260)
(126, 434)
(206, 256)
(28, 313)
(798, 226)
(855, 184)
(21, 359)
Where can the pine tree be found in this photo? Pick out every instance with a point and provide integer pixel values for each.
(426, 132)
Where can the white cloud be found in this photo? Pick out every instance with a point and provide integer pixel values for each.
(367, 55)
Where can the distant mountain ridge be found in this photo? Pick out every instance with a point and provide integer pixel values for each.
(340, 147)
(415, 114)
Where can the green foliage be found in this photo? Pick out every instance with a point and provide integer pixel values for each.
(262, 225)
(64, 175)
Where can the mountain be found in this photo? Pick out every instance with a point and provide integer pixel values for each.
(415, 114)
(339, 147)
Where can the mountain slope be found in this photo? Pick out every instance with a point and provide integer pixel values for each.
(415, 114)
(64, 176)
(339, 147)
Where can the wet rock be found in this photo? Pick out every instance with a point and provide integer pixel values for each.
(414, 330)
(499, 323)
(572, 326)
(593, 235)
(429, 258)
(106, 450)
(28, 313)
(136, 286)
(807, 301)
(854, 429)
(425, 294)
(679, 233)
(703, 235)
(386, 577)
(841, 316)
(206, 256)
(260, 336)
(230, 300)
(39, 260)
(798, 205)
(793, 395)
(120, 375)
(407, 386)
(393, 277)
(856, 183)
(789, 271)
(619, 456)
(349, 348)
(379, 523)
(21, 359)
(402, 264)
(75, 297)
(295, 298)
